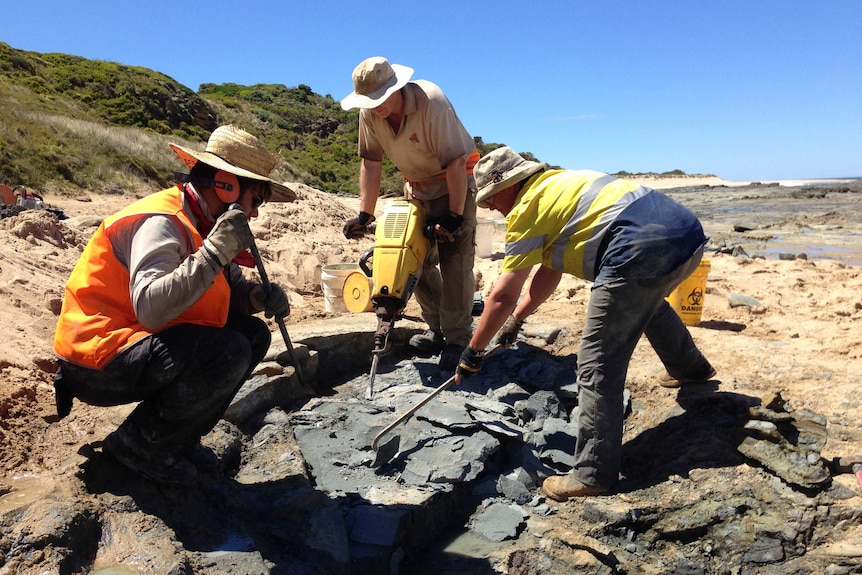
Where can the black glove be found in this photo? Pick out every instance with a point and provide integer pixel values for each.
(508, 334)
(446, 226)
(275, 302)
(230, 236)
(470, 362)
(355, 227)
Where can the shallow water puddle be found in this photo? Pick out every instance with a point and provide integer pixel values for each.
(25, 490)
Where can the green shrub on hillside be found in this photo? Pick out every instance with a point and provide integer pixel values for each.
(69, 125)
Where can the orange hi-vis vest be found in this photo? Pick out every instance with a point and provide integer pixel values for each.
(97, 319)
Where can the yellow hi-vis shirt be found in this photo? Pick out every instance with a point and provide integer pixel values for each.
(560, 217)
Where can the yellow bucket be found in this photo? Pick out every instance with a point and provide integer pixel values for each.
(687, 299)
(357, 293)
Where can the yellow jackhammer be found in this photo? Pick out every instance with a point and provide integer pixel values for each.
(400, 248)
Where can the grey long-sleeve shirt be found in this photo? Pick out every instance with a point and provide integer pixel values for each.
(166, 276)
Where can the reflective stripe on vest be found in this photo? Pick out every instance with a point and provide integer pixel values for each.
(595, 207)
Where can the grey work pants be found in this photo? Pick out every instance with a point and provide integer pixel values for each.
(184, 378)
(445, 293)
(619, 312)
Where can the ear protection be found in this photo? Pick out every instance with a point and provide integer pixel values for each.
(226, 184)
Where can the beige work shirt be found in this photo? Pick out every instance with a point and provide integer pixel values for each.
(431, 135)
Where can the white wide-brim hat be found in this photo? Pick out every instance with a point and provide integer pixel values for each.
(374, 80)
(234, 150)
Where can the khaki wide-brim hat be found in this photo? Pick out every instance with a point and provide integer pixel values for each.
(374, 80)
(234, 150)
(499, 169)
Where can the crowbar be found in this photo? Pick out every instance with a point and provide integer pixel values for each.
(267, 286)
(406, 415)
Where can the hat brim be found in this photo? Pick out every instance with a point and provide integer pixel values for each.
(367, 101)
(279, 191)
(521, 173)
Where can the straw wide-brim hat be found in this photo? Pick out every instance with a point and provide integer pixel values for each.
(374, 80)
(234, 150)
(499, 169)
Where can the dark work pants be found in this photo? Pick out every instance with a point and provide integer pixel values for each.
(184, 378)
(619, 312)
(445, 289)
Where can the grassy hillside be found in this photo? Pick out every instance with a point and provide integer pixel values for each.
(69, 125)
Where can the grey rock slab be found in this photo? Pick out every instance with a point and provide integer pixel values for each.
(540, 406)
(556, 433)
(449, 458)
(568, 389)
(447, 413)
(558, 459)
(513, 489)
(765, 550)
(508, 393)
(263, 391)
(499, 521)
(503, 429)
(796, 466)
(475, 402)
(271, 455)
(539, 375)
(376, 524)
(528, 456)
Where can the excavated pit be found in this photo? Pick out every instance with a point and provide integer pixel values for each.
(450, 454)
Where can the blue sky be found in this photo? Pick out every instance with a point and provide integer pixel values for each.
(746, 90)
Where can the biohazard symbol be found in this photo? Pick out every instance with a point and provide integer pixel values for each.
(695, 297)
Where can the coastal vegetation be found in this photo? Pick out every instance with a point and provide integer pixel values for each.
(70, 125)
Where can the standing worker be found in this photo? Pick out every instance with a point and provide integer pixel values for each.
(415, 126)
(636, 245)
(156, 310)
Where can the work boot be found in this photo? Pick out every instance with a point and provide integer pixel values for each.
(700, 375)
(430, 342)
(450, 356)
(565, 487)
(63, 397)
(163, 470)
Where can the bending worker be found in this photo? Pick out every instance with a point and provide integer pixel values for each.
(636, 245)
(156, 310)
(415, 126)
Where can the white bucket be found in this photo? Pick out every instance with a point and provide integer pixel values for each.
(484, 235)
(332, 279)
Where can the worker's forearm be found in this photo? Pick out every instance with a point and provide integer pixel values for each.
(543, 284)
(493, 317)
(498, 306)
(369, 185)
(456, 181)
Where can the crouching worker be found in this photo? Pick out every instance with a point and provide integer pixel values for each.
(157, 311)
(636, 245)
